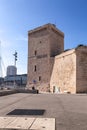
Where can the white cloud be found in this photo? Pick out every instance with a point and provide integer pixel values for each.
(5, 43)
(21, 38)
(6, 54)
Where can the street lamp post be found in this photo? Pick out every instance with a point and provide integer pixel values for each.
(15, 55)
(15, 59)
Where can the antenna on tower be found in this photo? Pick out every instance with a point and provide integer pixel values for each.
(15, 55)
(15, 59)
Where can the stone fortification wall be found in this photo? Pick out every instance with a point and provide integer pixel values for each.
(63, 77)
(81, 69)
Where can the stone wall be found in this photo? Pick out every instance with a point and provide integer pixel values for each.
(81, 69)
(52, 69)
(63, 77)
(42, 42)
(56, 43)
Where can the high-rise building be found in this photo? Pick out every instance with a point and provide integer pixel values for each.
(11, 70)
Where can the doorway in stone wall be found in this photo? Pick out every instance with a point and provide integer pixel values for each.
(56, 89)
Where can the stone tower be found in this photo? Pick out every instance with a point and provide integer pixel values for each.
(44, 43)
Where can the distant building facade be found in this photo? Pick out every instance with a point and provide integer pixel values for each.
(20, 80)
(50, 68)
(11, 70)
(1, 81)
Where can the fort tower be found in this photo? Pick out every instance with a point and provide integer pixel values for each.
(44, 43)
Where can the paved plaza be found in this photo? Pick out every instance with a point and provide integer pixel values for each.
(69, 111)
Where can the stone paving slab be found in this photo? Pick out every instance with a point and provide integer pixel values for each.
(4, 121)
(21, 123)
(24, 123)
(43, 124)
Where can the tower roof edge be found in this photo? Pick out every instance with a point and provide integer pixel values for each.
(49, 25)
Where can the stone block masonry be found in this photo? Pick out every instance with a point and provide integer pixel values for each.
(50, 68)
(69, 73)
(63, 77)
(43, 44)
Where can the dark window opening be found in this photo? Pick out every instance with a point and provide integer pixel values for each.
(39, 78)
(35, 52)
(40, 41)
(35, 68)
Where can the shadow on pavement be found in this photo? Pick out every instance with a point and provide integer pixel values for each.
(27, 112)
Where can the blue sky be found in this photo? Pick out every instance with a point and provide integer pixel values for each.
(17, 17)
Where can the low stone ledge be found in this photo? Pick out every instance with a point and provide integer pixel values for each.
(13, 91)
(7, 92)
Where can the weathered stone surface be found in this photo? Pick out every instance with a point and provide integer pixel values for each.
(81, 82)
(63, 77)
(52, 69)
(70, 71)
(43, 44)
